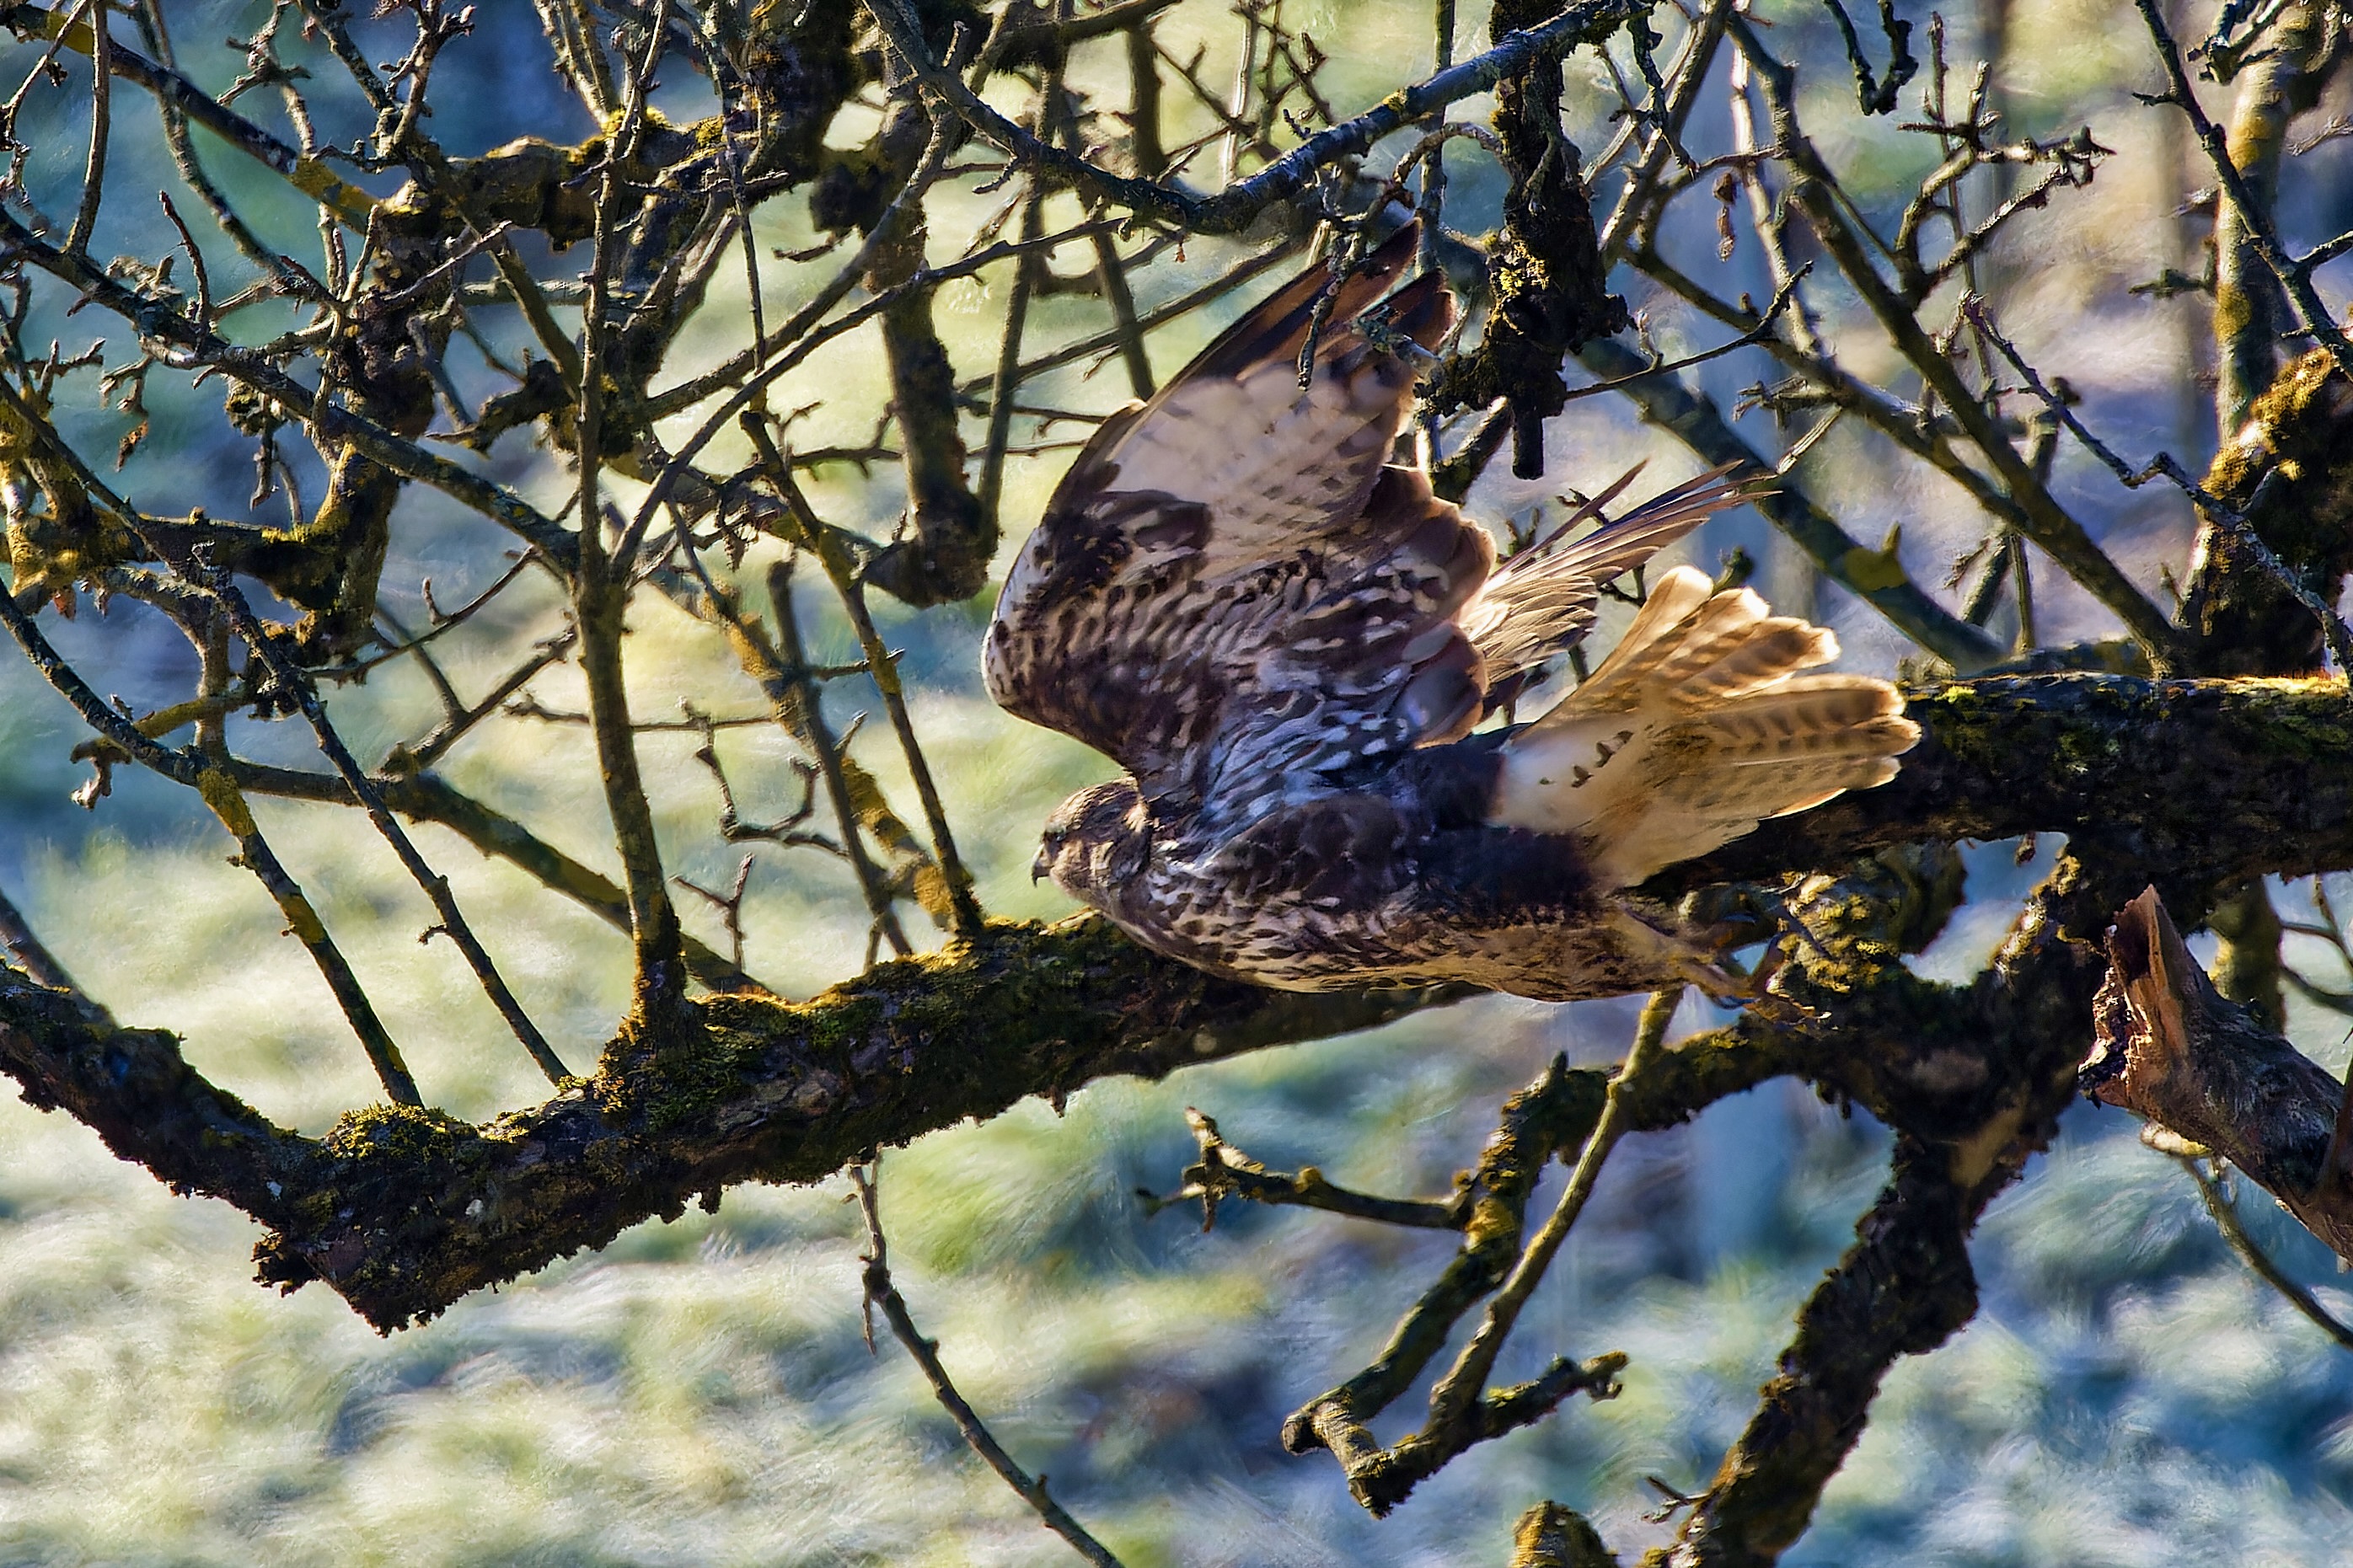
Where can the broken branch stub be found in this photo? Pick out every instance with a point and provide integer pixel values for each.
(2168, 1046)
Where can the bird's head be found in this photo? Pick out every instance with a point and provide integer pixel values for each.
(1095, 842)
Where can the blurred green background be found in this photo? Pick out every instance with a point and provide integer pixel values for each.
(700, 1391)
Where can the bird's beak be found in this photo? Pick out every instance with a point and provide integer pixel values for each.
(1040, 867)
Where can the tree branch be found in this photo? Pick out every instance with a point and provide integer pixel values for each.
(2168, 1048)
(2235, 778)
(1233, 209)
(307, 175)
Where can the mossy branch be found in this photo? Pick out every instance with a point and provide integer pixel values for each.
(404, 1210)
(1974, 1081)
(2223, 779)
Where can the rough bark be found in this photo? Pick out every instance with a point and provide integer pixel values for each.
(404, 1211)
(2211, 1074)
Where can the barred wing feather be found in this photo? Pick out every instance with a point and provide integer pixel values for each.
(1232, 581)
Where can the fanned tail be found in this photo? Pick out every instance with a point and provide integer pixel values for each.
(1695, 729)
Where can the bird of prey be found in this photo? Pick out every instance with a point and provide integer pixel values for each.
(1290, 644)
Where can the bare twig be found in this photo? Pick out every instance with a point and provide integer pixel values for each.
(2332, 629)
(462, 721)
(290, 681)
(826, 546)
(2044, 520)
(1225, 1172)
(1027, 270)
(427, 797)
(790, 661)
(1873, 576)
(227, 801)
(881, 1292)
(2225, 1214)
(730, 904)
(2295, 274)
(1232, 209)
(307, 175)
(102, 113)
(1451, 1398)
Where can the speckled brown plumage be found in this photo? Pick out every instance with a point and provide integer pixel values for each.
(1288, 642)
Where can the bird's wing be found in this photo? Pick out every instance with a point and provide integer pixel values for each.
(1545, 598)
(1233, 584)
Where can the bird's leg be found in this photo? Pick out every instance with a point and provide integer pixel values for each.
(1672, 950)
(1700, 958)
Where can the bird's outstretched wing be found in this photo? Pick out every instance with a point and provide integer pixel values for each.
(1234, 590)
(1233, 584)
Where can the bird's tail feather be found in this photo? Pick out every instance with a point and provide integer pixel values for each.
(1695, 729)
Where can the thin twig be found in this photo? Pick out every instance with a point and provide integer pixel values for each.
(730, 903)
(1225, 1172)
(291, 681)
(313, 179)
(287, 275)
(221, 793)
(427, 797)
(1759, 333)
(794, 657)
(2294, 276)
(2226, 1220)
(881, 1292)
(1177, 310)
(826, 545)
(2332, 629)
(102, 113)
(1455, 1392)
(1026, 273)
(330, 421)
(1232, 209)
(1816, 193)
(460, 724)
(802, 335)
(1879, 581)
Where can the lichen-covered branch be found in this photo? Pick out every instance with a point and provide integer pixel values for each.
(2207, 778)
(404, 1210)
(1973, 1080)
(1903, 1287)
(1550, 1536)
(2235, 778)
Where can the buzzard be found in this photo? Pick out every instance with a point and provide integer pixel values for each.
(1290, 644)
